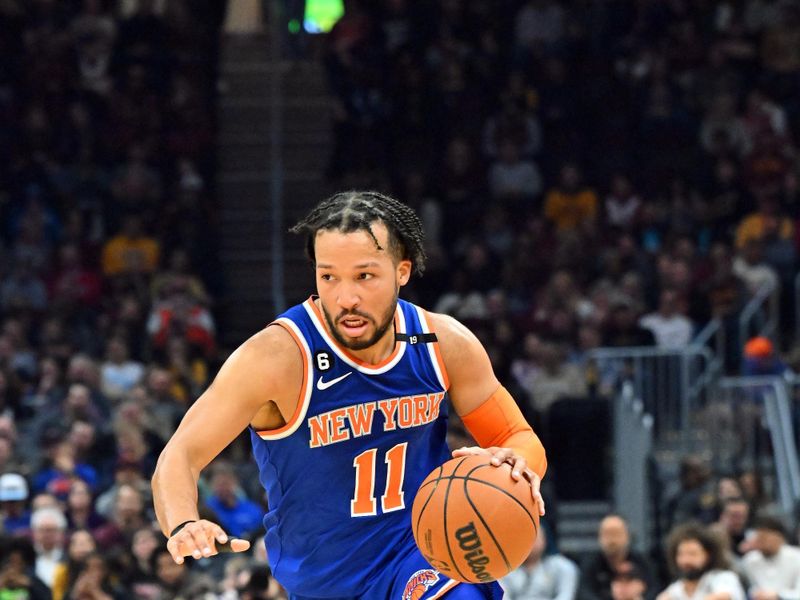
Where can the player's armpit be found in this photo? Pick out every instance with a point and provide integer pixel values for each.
(499, 422)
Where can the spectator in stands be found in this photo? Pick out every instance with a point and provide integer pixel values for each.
(56, 477)
(630, 583)
(139, 575)
(623, 326)
(73, 285)
(622, 205)
(571, 206)
(513, 180)
(236, 513)
(698, 564)
(540, 26)
(767, 224)
(773, 566)
(127, 517)
(179, 314)
(694, 499)
(23, 289)
(732, 525)
(80, 511)
(550, 577)
(178, 274)
(119, 374)
(750, 266)
(95, 580)
(554, 379)
(761, 358)
(671, 327)
(17, 574)
(615, 555)
(512, 124)
(179, 581)
(48, 527)
(79, 546)
(16, 518)
(260, 585)
(131, 251)
(188, 368)
(752, 484)
(8, 459)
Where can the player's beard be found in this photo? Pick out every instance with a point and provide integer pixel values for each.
(386, 322)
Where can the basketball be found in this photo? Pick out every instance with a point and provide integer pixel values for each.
(472, 521)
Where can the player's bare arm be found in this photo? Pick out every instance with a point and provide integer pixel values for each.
(258, 385)
(488, 411)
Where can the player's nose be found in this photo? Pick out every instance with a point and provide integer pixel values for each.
(347, 298)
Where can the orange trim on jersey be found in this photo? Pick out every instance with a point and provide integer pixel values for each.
(345, 351)
(302, 398)
(445, 588)
(437, 351)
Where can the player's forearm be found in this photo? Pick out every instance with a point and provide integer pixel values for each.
(174, 486)
(499, 422)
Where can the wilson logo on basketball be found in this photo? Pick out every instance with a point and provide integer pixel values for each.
(419, 583)
(469, 540)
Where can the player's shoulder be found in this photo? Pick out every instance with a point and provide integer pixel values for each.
(455, 339)
(272, 347)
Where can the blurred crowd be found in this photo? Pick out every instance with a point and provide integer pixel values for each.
(723, 558)
(592, 173)
(595, 174)
(108, 278)
(612, 173)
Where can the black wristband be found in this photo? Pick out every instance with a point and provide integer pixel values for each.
(181, 526)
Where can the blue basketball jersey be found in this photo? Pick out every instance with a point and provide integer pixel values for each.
(342, 474)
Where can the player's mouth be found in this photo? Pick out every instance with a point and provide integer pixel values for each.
(354, 326)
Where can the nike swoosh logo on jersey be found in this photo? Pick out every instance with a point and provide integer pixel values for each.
(324, 385)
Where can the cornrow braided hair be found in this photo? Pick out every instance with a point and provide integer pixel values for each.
(357, 211)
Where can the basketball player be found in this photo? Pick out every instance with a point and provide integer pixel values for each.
(345, 397)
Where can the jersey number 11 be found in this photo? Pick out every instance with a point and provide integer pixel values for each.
(364, 503)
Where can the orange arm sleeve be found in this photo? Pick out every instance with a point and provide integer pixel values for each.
(499, 422)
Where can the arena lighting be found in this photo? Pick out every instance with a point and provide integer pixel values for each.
(321, 15)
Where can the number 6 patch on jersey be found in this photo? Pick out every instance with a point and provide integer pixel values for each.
(323, 360)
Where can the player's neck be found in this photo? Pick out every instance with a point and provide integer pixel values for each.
(379, 351)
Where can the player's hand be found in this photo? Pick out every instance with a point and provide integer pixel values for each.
(519, 467)
(201, 539)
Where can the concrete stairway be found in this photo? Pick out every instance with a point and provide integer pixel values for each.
(578, 522)
(245, 176)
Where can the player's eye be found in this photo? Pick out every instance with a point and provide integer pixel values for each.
(326, 277)
(365, 276)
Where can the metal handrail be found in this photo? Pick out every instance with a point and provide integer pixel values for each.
(797, 306)
(670, 382)
(765, 300)
(633, 430)
(773, 391)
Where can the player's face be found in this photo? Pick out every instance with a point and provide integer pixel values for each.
(358, 284)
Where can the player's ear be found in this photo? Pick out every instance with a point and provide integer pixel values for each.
(403, 271)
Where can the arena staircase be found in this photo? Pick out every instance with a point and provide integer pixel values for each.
(274, 140)
(577, 525)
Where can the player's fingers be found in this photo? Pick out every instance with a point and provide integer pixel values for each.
(199, 543)
(197, 539)
(219, 534)
(173, 548)
(518, 467)
(536, 482)
(500, 455)
(468, 451)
